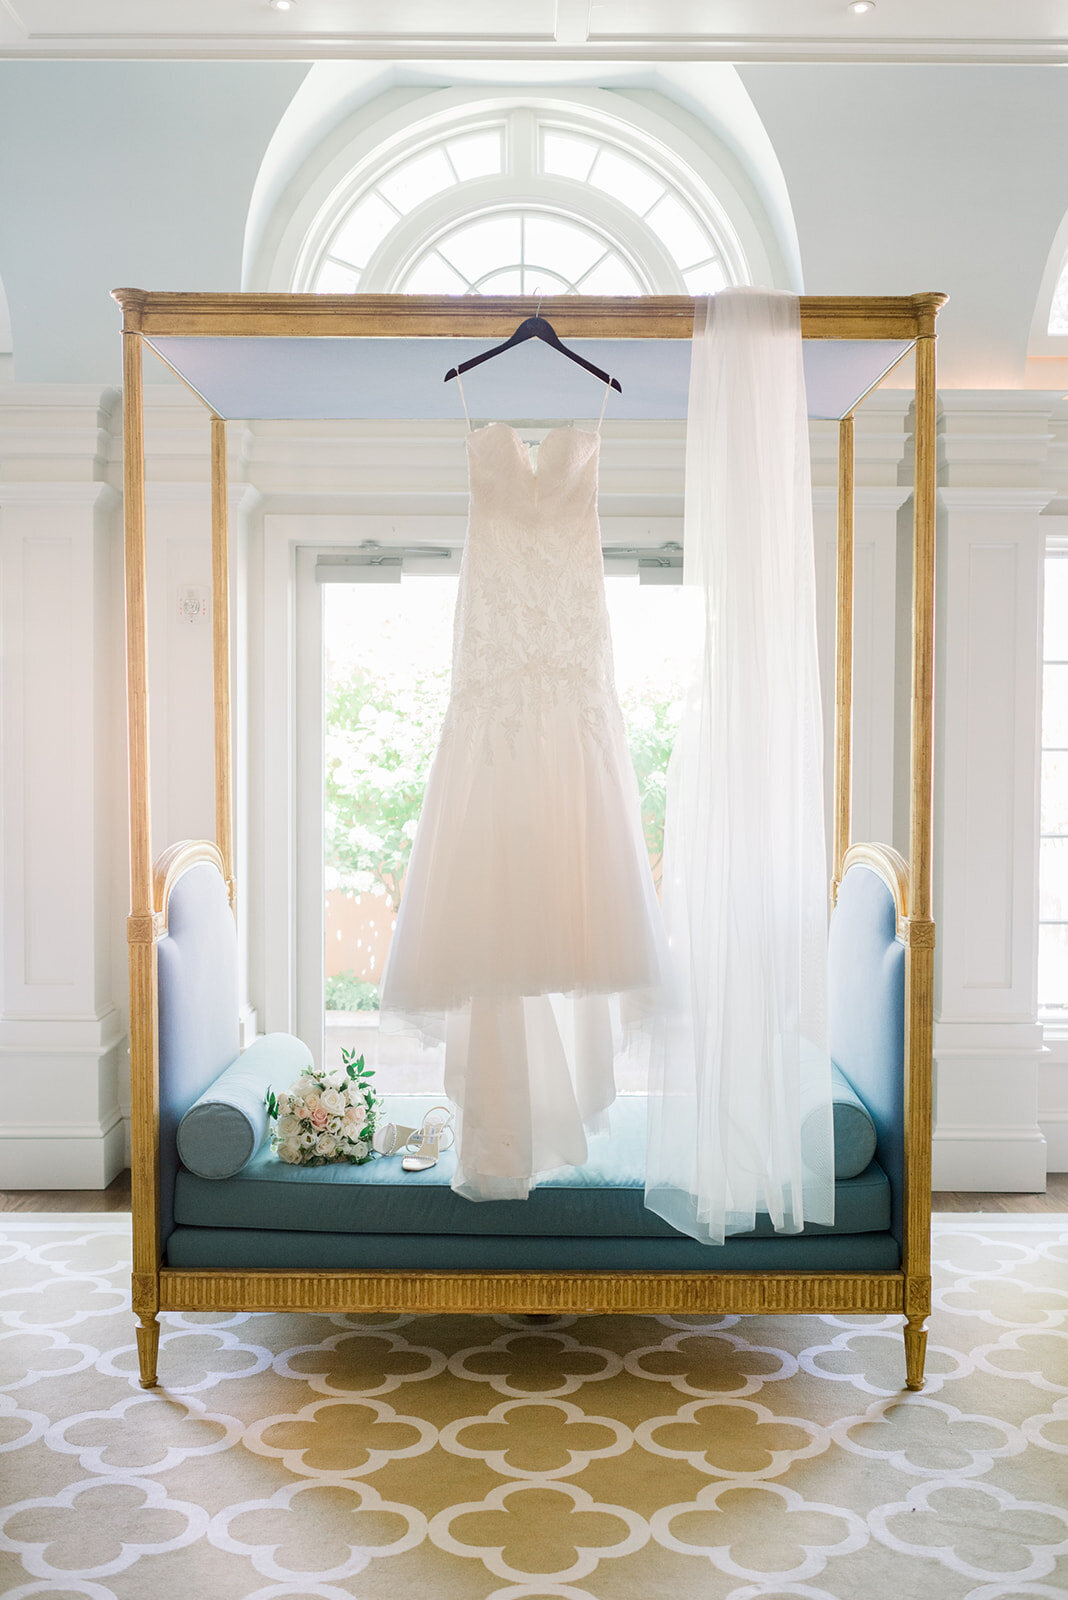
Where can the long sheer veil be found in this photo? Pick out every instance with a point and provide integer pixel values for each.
(739, 1103)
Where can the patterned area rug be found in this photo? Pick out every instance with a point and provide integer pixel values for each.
(492, 1458)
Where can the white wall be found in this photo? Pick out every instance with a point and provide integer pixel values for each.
(61, 1031)
(122, 174)
(907, 178)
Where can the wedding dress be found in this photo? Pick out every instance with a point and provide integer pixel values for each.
(529, 902)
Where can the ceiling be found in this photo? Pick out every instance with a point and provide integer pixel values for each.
(1019, 31)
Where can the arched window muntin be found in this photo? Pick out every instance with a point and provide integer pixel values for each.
(1057, 321)
(524, 186)
(418, 235)
(1049, 326)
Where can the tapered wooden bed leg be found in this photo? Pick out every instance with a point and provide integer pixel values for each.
(147, 1347)
(915, 1349)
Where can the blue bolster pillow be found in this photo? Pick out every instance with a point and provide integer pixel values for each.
(222, 1130)
(854, 1130)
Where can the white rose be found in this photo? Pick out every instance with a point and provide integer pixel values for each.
(337, 1079)
(325, 1145)
(335, 1126)
(306, 1139)
(289, 1151)
(332, 1101)
(283, 1104)
(288, 1126)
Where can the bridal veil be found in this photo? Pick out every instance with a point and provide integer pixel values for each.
(739, 1095)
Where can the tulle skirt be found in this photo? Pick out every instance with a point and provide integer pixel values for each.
(528, 908)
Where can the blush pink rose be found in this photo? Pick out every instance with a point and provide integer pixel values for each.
(320, 1117)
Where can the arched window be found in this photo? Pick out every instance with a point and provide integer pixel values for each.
(1049, 325)
(523, 199)
(1058, 310)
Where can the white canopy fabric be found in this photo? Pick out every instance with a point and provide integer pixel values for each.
(293, 379)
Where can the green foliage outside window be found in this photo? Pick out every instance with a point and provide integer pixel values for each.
(346, 992)
(380, 737)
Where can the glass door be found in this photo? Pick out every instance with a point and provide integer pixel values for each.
(384, 658)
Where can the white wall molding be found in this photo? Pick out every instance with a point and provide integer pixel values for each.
(1054, 1128)
(50, 432)
(80, 1061)
(876, 497)
(994, 1158)
(996, 440)
(988, 1043)
(964, 1037)
(1004, 497)
(881, 431)
(49, 493)
(1053, 1097)
(60, 786)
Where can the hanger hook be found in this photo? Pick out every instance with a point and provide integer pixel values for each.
(541, 297)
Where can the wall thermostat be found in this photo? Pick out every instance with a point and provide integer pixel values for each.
(193, 605)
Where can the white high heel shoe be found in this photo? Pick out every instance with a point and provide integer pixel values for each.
(391, 1137)
(427, 1141)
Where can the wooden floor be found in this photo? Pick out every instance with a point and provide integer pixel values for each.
(117, 1198)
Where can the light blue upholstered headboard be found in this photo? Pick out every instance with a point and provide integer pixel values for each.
(198, 1019)
(866, 1013)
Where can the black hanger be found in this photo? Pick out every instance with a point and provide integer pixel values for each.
(536, 327)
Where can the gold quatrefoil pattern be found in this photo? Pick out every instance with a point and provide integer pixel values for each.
(509, 1458)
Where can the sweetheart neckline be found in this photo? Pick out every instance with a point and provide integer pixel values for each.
(566, 427)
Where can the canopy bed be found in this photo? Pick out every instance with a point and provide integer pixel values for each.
(354, 1241)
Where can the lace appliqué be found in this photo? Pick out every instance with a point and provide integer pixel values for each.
(531, 635)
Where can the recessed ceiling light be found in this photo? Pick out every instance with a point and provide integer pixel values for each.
(859, 7)
(287, 5)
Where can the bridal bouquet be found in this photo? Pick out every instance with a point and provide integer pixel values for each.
(325, 1116)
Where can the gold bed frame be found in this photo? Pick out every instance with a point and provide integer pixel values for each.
(157, 1287)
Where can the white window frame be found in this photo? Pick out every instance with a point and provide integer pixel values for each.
(693, 160)
(294, 733)
(523, 186)
(293, 721)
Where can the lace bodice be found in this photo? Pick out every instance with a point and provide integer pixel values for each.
(531, 629)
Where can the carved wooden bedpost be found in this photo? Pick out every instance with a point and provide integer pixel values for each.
(142, 926)
(843, 658)
(919, 953)
(220, 641)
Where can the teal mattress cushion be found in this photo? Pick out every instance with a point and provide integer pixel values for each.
(605, 1198)
(224, 1128)
(256, 1250)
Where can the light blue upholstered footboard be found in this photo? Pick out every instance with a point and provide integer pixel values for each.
(198, 1023)
(866, 1014)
